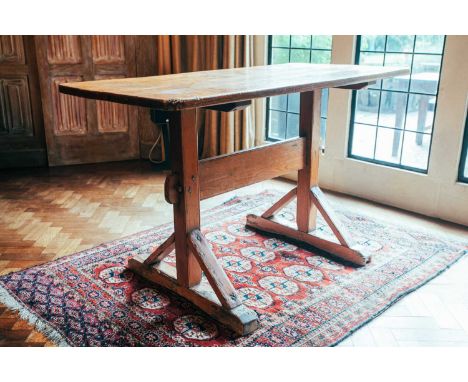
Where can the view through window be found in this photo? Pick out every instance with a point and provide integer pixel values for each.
(283, 111)
(392, 121)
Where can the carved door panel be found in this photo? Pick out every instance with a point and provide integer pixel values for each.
(21, 128)
(79, 130)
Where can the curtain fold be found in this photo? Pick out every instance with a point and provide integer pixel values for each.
(219, 133)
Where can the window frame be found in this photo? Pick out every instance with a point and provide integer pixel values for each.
(268, 99)
(464, 154)
(408, 92)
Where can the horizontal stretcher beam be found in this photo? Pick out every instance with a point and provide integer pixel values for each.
(229, 172)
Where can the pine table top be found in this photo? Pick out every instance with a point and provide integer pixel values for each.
(214, 87)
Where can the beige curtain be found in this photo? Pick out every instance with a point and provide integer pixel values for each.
(220, 133)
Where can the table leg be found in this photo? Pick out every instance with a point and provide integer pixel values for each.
(184, 165)
(309, 196)
(307, 177)
(217, 297)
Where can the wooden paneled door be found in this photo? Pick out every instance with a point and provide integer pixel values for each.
(79, 130)
(21, 128)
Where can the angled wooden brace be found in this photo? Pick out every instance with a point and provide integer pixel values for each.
(328, 213)
(214, 272)
(344, 249)
(217, 297)
(283, 202)
(162, 251)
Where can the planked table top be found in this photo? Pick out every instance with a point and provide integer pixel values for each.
(214, 87)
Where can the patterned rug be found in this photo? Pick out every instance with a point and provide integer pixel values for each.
(302, 297)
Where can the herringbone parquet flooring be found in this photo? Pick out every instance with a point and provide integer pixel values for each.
(49, 213)
(46, 214)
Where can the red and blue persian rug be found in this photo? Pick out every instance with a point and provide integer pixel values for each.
(302, 297)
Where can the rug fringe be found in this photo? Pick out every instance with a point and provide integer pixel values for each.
(11, 303)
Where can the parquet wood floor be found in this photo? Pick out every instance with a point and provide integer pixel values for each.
(49, 213)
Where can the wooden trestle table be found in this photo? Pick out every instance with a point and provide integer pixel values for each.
(192, 179)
